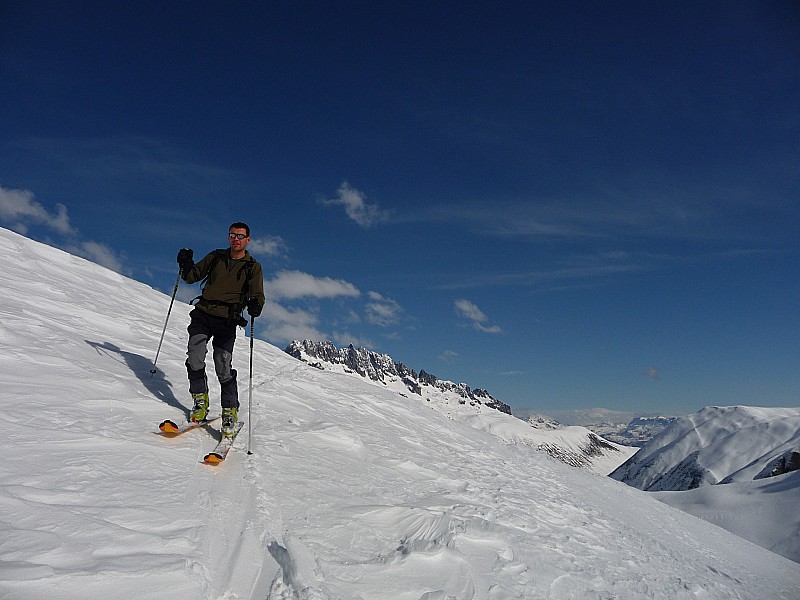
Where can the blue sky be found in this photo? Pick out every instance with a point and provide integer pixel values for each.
(571, 204)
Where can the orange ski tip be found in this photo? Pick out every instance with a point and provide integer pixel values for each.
(169, 427)
(213, 459)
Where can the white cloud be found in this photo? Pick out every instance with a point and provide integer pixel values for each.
(382, 311)
(284, 324)
(352, 318)
(344, 338)
(99, 253)
(268, 246)
(490, 329)
(18, 208)
(356, 207)
(291, 285)
(472, 313)
(449, 356)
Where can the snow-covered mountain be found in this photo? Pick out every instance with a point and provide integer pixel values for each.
(737, 467)
(575, 446)
(382, 368)
(715, 445)
(636, 432)
(352, 491)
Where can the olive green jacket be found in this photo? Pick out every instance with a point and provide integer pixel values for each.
(228, 286)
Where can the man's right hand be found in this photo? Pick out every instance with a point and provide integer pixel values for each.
(185, 259)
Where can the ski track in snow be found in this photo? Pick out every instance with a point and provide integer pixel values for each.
(351, 493)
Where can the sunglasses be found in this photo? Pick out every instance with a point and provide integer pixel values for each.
(237, 236)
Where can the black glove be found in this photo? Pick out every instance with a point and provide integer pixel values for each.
(253, 308)
(185, 260)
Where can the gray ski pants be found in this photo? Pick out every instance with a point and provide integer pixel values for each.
(202, 328)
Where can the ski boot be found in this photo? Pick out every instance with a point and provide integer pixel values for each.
(229, 418)
(200, 410)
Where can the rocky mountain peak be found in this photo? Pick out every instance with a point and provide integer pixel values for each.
(379, 367)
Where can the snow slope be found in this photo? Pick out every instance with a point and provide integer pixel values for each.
(763, 511)
(352, 492)
(576, 446)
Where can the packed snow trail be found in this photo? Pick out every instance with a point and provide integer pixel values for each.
(352, 493)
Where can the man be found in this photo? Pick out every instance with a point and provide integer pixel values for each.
(234, 281)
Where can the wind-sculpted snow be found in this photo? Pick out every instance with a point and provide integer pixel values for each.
(352, 492)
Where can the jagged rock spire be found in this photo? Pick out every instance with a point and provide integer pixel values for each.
(378, 367)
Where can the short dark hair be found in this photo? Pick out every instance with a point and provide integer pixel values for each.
(240, 225)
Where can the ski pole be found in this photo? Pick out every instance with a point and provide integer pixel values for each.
(163, 331)
(250, 393)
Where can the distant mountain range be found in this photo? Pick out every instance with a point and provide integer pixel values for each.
(380, 367)
(628, 429)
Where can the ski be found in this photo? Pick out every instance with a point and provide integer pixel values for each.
(218, 454)
(169, 428)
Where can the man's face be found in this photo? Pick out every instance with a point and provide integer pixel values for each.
(237, 244)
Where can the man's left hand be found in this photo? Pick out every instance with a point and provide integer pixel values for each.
(253, 308)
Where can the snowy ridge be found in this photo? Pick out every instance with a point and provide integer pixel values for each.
(575, 446)
(353, 492)
(542, 422)
(716, 444)
(382, 368)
